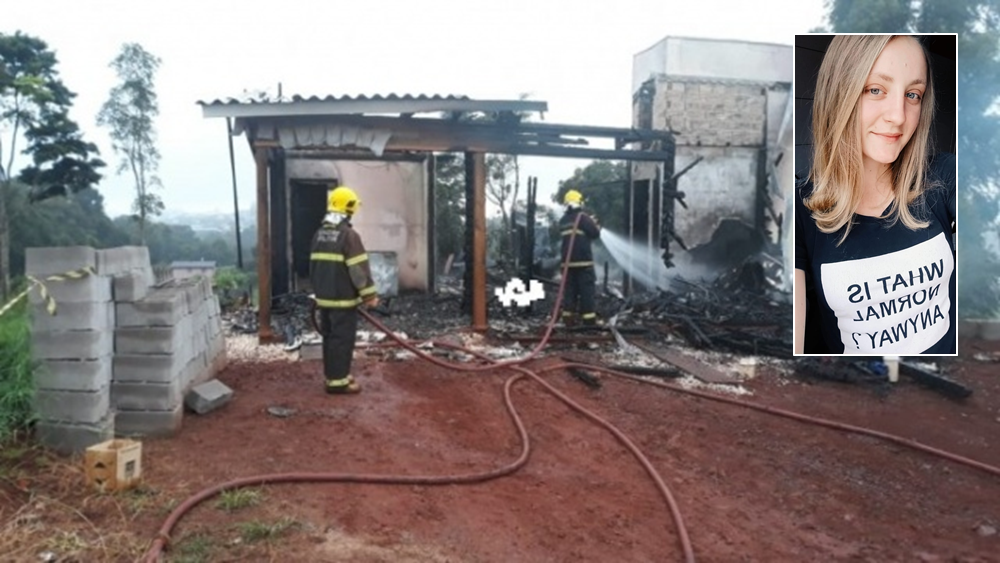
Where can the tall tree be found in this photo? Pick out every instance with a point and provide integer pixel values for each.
(602, 183)
(129, 112)
(35, 102)
(977, 24)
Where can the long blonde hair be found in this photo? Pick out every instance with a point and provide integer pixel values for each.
(837, 155)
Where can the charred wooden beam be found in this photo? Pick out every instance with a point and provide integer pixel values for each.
(940, 383)
(265, 334)
(479, 242)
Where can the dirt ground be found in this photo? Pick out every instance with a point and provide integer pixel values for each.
(750, 486)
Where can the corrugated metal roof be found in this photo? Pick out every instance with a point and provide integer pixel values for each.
(332, 98)
(312, 106)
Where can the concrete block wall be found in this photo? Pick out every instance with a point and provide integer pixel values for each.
(166, 341)
(707, 113)
(118, 355)
(74, 349)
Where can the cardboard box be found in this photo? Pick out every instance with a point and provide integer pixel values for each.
(115, 465)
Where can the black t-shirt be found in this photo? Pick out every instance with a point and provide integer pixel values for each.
(885, 289)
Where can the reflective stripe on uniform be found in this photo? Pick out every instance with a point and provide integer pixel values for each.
(568, 232)
(370, 290)
(327, 256)
(342, 382)
(338, 303)
(357, 259)
(568, 313)
(581, 264)
(589, 315)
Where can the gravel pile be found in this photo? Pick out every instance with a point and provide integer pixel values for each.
(245, 348)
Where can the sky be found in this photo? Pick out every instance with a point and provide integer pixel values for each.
(576, 56)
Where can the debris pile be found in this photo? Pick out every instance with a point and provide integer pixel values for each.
(738, 312)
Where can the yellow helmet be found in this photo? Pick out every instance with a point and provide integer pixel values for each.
(573, 197)
(342, 200)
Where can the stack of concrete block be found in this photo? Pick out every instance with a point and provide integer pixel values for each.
(120, 353)
(165, 342)
(74, 348)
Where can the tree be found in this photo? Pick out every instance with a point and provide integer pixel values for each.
(33, 100)
(978, 26)
(449, 205)
(503, 182)
(128, 113)
(603, 184)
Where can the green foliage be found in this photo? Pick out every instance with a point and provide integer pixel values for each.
(128, 113)
(236, 499)
(978, 26)
(65, 221)
(196, 548)
(169, 243)
(256, 530)
(449, 205)
(34, 102)
(230, 283)
(603, 184)
(16, 372)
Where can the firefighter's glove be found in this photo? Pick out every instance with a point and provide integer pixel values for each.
(372, 303)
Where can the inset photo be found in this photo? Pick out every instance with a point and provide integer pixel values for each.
(875, 225)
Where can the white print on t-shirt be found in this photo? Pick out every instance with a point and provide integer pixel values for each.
(896, 303)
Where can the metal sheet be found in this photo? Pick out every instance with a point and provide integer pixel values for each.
(385, 272)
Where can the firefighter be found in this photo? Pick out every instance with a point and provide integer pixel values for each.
(578, 294)
(341, 280)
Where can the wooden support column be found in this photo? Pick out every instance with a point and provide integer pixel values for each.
(479, 242)
(264, 333)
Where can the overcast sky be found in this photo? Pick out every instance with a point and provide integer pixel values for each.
(577, 56)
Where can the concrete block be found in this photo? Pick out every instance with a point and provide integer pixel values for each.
(73, 316)
(88, 407)
(74, 375)
(208, 396)
(117, 261)
(58, 259)
(160, 368)
(149, 422)
(67, 438)
(72, 345)
(131, 286)
(194, 296)
(149, 339)
(162, 307)
(189, 374)
(214, 310)
(129, 395)
(84, 290)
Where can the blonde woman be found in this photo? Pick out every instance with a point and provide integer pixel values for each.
(874, 223)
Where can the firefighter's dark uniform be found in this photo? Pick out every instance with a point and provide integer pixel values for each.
(578, 295)
(341, 279)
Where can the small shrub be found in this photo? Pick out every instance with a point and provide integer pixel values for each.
(16, 372)
(256, 530)
(235, 499)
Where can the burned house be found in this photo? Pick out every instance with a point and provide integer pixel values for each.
(384, 148)
(729, 104)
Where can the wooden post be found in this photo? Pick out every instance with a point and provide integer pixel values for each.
(264, 333)
(479, 242)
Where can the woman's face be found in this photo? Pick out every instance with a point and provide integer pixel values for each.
(889, 108)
